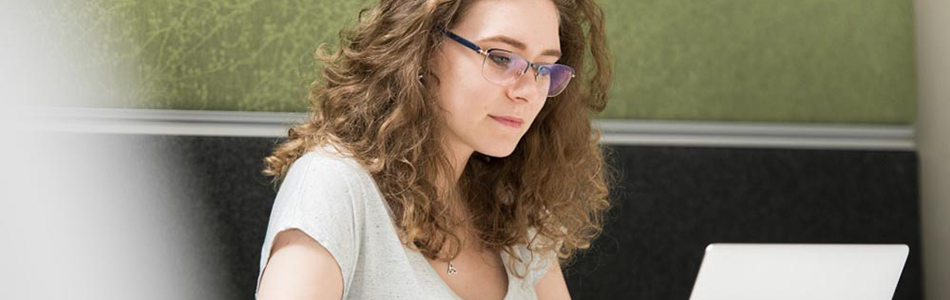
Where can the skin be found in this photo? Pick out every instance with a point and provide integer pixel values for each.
(300, 268)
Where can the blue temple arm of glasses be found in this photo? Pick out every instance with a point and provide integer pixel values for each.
(478, 49)
(463, 41)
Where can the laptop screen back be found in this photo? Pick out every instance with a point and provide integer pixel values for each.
(799, 271)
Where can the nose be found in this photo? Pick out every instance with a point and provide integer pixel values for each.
(526, 87)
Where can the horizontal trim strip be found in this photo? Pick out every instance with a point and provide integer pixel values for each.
(757, 135)
(615, 132)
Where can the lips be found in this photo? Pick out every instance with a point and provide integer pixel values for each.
(508, 120)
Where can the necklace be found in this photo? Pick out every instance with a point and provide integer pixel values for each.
(452, 270)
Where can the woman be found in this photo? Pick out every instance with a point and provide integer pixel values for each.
(447, 156)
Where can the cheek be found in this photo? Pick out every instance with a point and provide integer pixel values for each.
(463, 87)
(465, 108)
(536, 110)
(465, 98)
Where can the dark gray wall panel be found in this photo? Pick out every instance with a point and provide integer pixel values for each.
(670, 204)
(674, 201)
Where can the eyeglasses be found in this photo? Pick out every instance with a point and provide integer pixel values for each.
(504, 67)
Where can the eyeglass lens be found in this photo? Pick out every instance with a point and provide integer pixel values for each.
(504, 68)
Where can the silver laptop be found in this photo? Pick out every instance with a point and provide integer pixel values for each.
(799, 271)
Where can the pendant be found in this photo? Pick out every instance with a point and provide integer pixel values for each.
(452, 270)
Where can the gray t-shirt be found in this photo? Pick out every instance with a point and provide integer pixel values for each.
(334, 200)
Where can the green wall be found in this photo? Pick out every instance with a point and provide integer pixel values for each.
(846, 61)
(763, 60)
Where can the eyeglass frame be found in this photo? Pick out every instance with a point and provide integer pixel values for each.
(536, 67)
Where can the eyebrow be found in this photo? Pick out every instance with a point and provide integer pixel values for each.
(519, 45)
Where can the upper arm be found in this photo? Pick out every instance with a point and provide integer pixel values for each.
(300, 268)
(552, 284)
(311, 245)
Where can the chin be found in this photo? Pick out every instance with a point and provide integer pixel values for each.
(498, 152)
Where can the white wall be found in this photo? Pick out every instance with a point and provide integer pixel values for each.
(933, 140)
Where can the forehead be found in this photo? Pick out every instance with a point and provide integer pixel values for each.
(532, 22)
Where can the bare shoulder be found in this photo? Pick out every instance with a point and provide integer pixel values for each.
(300, 268)
(552, 285)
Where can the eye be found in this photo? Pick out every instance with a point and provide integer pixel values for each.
(544, 70)
(499, 60)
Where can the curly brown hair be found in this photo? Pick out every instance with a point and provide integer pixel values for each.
(372, 104)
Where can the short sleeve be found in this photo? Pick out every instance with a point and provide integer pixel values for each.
(320, 197)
